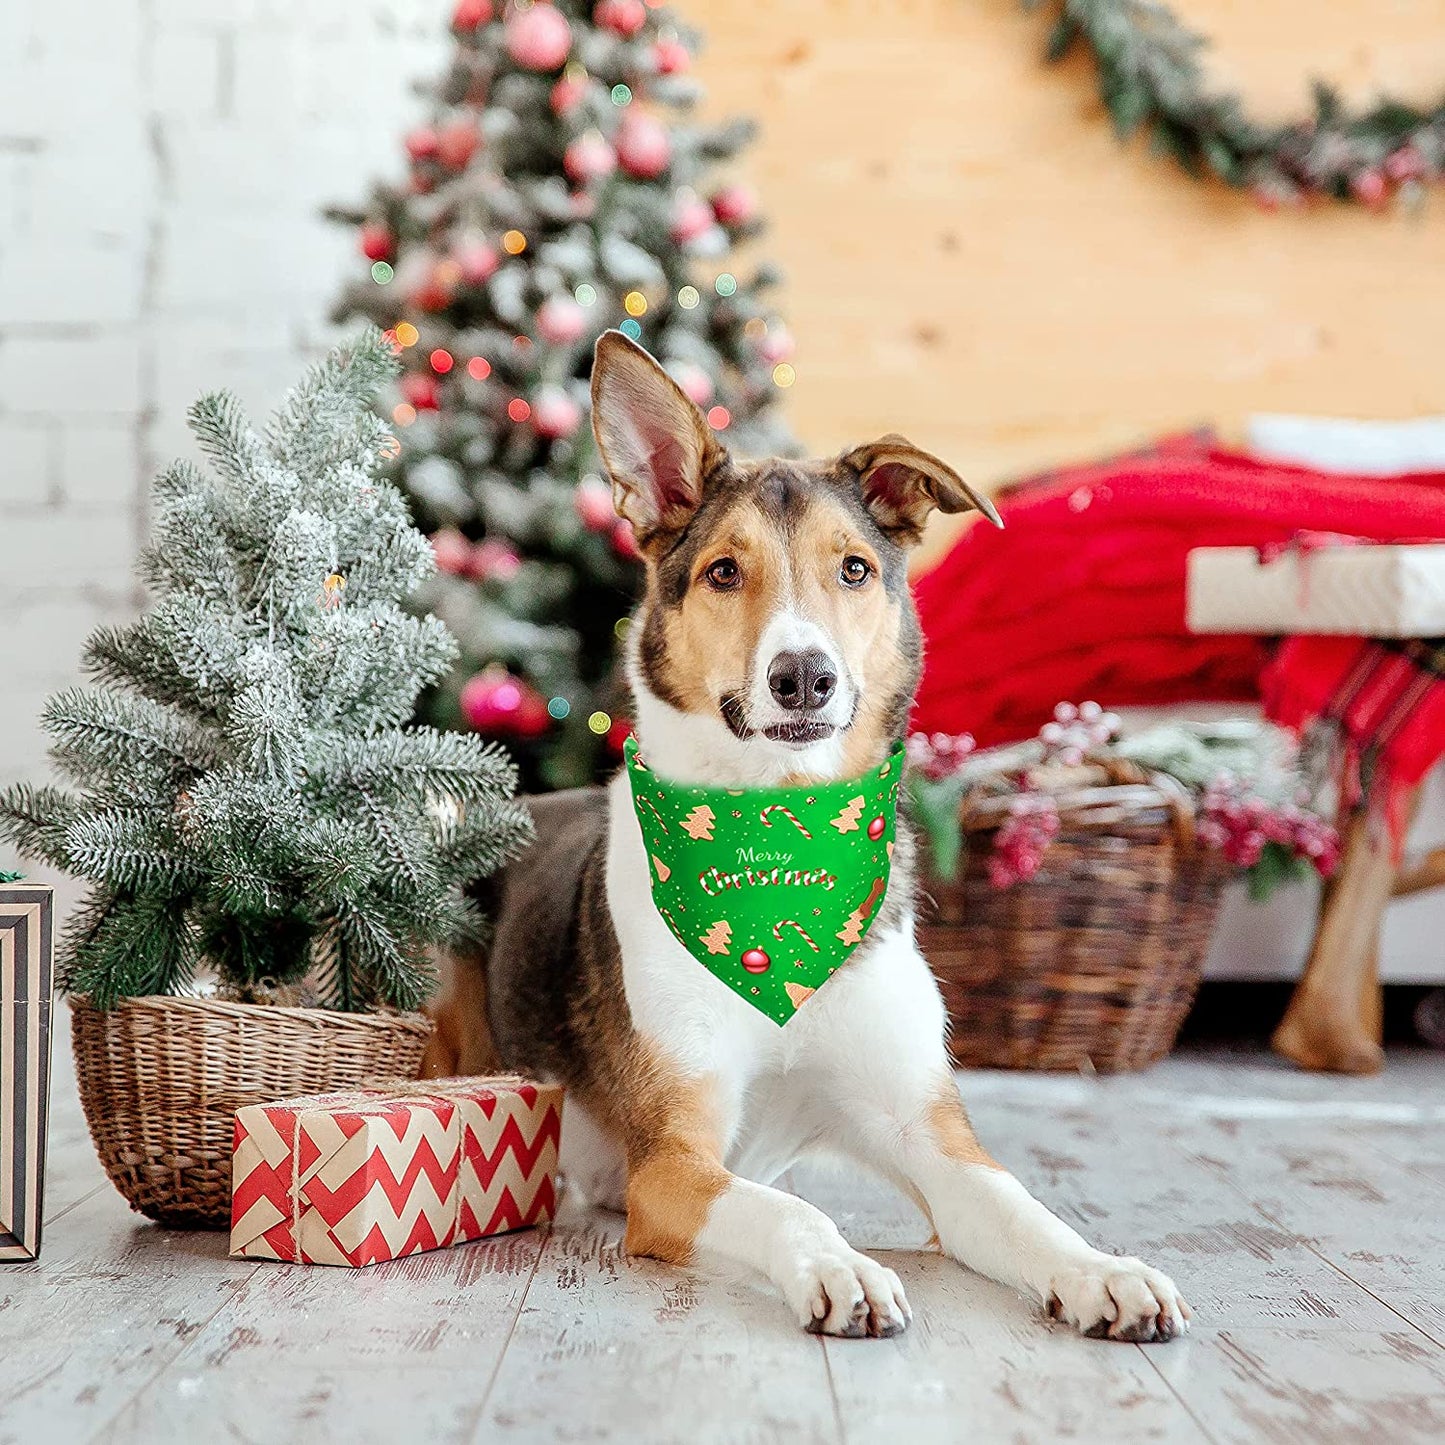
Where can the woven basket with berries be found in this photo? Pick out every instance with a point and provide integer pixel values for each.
(1072, 881)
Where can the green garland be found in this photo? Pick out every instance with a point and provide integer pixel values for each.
(1150, 78)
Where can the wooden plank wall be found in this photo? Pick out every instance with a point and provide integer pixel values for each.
(973, 259)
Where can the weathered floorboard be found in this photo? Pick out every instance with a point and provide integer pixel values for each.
(1303, 1216)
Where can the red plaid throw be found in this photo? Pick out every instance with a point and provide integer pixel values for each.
(1384, 701)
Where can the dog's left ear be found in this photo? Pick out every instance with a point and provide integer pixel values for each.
(902, 484)
(656, 445)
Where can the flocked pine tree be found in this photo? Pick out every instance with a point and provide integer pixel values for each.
(245, 795)
(558, 188)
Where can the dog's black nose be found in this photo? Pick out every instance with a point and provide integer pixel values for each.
(802, 680)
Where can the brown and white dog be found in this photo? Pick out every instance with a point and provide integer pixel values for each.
(776, 643)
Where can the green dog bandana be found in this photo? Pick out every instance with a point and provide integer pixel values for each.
(770, 889)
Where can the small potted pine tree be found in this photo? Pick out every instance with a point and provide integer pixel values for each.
(271, 850)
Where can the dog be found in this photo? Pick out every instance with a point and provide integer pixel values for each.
(775, 644)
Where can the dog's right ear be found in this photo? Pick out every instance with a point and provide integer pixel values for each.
(656, 445)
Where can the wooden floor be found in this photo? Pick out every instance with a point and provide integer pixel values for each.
(1303, 1216)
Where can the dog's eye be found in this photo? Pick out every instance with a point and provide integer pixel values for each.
(724, 575)
(854, 572)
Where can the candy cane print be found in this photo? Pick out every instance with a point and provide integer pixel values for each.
(802, 932)
(646, 802)
(788, 813)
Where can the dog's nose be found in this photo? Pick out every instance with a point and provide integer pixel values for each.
(802, 680)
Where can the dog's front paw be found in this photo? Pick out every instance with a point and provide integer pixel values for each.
(834, 1290)
(1118, 1299)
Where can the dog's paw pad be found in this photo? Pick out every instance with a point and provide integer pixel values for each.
(1118, 1299)
(835, 1290)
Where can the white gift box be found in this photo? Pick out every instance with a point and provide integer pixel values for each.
(1356, 591)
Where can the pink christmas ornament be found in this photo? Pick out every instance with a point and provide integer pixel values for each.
(496, 703)
(421, 143)
(568, 94)
(1370, 187)
(453, 552)
(478, 261)
(539, 37)
(776, 344)
(494, 560)
(691, 218)
(554, 413)
(624, 541)
(589, 158)
(561, 321)
(593, 501)
(1405, 164)
(470, 14)
(694, 381)
(671, 57)
(643, 147)
(625, 17)
(734, 205)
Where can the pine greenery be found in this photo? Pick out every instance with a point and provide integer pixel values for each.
(244, 793)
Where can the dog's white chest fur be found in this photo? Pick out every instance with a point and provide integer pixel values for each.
(782, 1081)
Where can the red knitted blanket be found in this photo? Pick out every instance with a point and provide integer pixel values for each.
(1082, 594)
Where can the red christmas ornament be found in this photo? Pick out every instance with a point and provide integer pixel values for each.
(734, 205)
(624, 541)
(876, 829)
(432, 294)
(457, 144)
(691, 218)
(478, 262)
(625, 17)
(496, 703)
(617, 735)
(643, 146)
(561, 321)
(695, 382)
(671, 57)
(539, 37)
(756, 961)
(421, 390)
(421, 144)
(568, 94)
(453, 552)
(493, 559)
(593, 502)
(589, 158)
(376, 240)
(471, 14)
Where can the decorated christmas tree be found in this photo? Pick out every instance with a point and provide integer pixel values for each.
(246, 796)
(556, 188)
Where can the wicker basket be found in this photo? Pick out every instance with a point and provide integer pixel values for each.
(1092, 963)
(161, 1078)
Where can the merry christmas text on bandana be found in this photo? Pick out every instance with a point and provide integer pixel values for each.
(770, 889)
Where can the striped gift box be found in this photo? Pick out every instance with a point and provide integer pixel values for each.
(26, 956)
(378, 1173)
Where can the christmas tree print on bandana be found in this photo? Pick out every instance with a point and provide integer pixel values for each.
(770, 889)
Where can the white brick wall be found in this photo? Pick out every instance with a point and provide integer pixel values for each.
(163, 166)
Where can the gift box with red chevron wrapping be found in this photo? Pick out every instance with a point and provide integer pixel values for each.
(378, 1173)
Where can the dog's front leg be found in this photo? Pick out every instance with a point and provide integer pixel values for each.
(988, 1221)
(681, 1200)
(905, 1118)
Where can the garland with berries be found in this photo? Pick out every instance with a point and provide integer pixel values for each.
(1151, 80)
(1253, 801)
